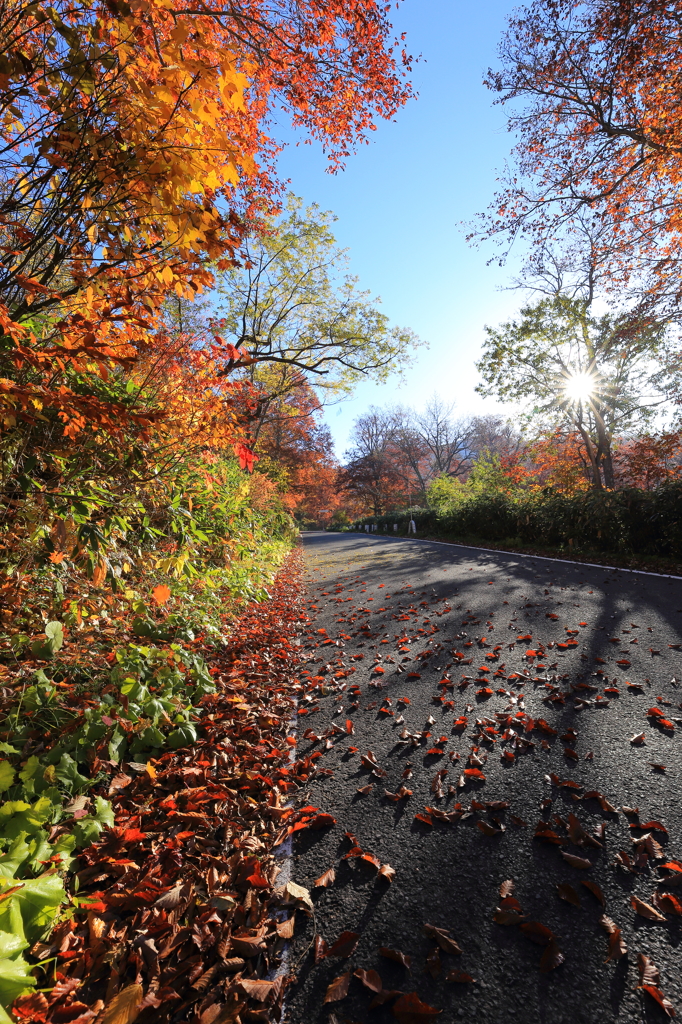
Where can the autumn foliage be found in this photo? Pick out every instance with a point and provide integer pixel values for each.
(141, 524)
(133, 137)
(596, 88)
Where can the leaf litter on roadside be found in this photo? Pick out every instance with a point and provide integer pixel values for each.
(191, 848)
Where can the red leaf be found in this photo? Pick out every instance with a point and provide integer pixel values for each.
(656, 994)
(651, 824)
(552, 957)
(344, 945)
(409, 1009)
(322, 821)
(459, 977)
(395, 954)
(536, 932)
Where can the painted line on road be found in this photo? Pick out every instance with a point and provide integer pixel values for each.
(525, 554)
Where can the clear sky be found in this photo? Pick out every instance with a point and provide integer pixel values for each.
(401, 200)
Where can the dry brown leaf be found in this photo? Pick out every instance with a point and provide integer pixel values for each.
(124, 1007)
(567, 892)
(395, 954)
(552, 957)
(595, 890)
(459, 977)
(338, 988)
(442, 937)
(409, 1009)
(285, 929)
(617, 947)
(370, 979)
(648, 982)
(576, 862)
(258, 990)
(645, 909)
(327, 879)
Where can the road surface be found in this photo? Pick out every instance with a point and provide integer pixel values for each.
(483, 683)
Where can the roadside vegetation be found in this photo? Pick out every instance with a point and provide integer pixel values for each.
(160, 409)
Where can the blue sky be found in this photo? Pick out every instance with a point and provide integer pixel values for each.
(401, 200)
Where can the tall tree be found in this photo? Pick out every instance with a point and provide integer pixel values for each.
(594, 374)
(596, 89)
(126, 130)
(293, 303)
(372, 473)
(492, 433)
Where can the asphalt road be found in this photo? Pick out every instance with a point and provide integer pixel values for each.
(381, 604)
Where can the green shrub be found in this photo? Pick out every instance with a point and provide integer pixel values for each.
(627, 522)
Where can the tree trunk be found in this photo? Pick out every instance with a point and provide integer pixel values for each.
(596, 474)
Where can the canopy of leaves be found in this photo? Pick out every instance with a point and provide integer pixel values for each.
(124, 131)
(599, 86)
(293, 303)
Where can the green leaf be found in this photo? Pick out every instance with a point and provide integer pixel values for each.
(71, 779)
(88, 829)
(17, 855)
(42, 649)
(46, 649)
(117, 744)
(55, 634)
(7, 774)
(5, 748)
(183, 736)
(11, 944)
(15, 981)
(33, 909)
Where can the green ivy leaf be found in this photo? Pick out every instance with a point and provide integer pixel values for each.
(183, 736)
(55, 635)
(7, 774)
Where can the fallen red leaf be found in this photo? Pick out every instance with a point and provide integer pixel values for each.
(395, 954)
(370, 979)
(409, 1009)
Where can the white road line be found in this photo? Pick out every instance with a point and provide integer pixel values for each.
(525, 554)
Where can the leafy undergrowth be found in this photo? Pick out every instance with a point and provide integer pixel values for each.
(139, 878)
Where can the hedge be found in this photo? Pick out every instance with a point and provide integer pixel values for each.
(628, 521)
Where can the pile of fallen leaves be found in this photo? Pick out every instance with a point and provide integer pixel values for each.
(177, 913)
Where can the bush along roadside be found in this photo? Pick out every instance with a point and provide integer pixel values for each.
(141, 818)
(629, 522)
